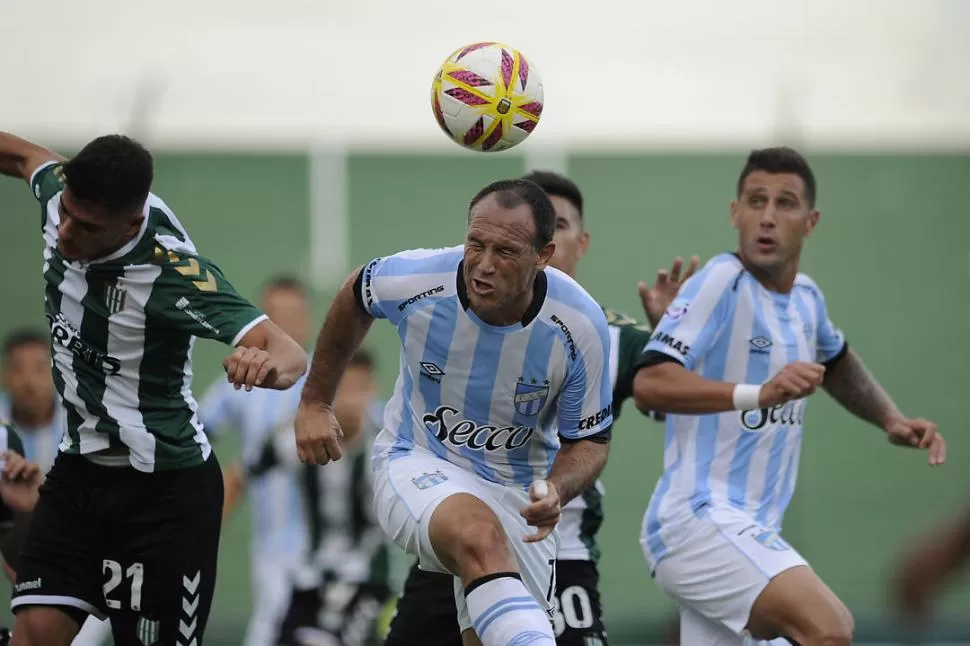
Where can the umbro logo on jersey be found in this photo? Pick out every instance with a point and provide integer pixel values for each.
(760, 345)
(431, 371)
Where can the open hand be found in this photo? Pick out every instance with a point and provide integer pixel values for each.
(657, 299)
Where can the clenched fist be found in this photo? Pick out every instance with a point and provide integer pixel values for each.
(318, 434)
(794, 381)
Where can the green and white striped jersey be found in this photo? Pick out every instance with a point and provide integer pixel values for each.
(583, 515)
(122, 330)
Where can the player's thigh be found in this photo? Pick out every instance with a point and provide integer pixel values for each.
(425, 612)
(798, 604)
(160, 570)
(535, 562)
(408, 491)
(720, 563)
(59, 572)
(577, 618)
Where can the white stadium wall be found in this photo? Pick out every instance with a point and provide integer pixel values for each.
(231, 73)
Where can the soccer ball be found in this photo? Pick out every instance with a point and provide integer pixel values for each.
(487, 97)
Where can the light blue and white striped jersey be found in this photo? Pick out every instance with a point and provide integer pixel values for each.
(725, 326)
(276, 505)
(492, 400)
(41, 443)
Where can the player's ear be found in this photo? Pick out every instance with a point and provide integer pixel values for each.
(545, 255)
(812, 222)
(735, 213)
(583, 243)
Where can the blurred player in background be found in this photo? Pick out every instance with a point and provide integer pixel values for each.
(29, 401)
(502, 408)
(747, 340)
(278, 532)
(31, 406)
(128, 520)
(343, 586)
(426, 612)
(20, 482)
(934, 560)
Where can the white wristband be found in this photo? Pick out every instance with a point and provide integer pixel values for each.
(746, 396)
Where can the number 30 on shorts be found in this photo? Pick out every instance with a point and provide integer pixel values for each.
(115, 574)
(573, 610)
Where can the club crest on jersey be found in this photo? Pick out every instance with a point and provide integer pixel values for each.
(427, 480)
(771, 540)
(530, 396)
(114, 298)
(147, 630)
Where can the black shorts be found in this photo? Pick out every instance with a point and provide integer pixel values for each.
(347, 612)
(578, 617)
(426, 612)
(139, 548)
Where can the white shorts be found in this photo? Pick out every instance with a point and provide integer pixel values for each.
(716, 569)
(408, 489)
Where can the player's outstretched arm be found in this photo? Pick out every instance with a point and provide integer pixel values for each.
(851, 384)
(663, 384)
(20, 158)
(318, 433)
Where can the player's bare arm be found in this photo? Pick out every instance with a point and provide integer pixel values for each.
(20, 158)
(266, 357)
(851, 384)
(575, 468)
(669, 387)
(318, 433)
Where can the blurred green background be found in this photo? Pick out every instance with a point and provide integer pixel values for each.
(891, 253)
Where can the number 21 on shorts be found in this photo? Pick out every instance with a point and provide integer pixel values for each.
(115, 574)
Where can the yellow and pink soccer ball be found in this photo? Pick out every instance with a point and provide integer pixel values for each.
(487, 97)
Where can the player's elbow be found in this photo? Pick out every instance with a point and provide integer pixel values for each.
(650, 388)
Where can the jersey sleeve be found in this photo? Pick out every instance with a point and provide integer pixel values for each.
(46, 182)
(691, 324)
(830, 342)
(193, 295)
(586, 400)
(386, 287)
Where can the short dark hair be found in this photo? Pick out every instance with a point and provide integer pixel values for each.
(363, 359)
(287, 282)
(781, 159)
(113, 171)
(23, 337)
(558, 185)
(511, 193)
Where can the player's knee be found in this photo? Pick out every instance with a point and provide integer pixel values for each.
(482, 545)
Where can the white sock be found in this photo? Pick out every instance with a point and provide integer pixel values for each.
(503, 613)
